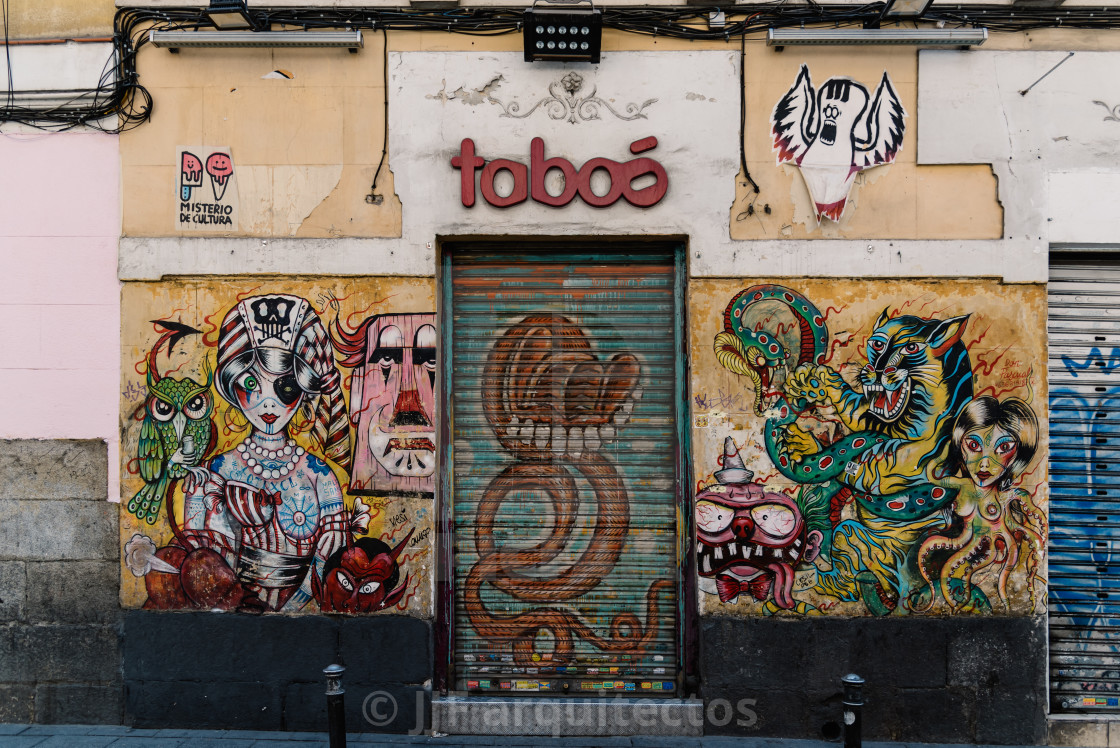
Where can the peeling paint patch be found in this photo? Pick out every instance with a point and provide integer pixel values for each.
(279, 75)
(692, 96)
(297, 191)
(470, 97)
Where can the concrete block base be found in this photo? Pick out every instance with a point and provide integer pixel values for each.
(1084, 730)
(473, 715)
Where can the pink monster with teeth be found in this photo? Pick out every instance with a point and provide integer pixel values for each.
(750, 540)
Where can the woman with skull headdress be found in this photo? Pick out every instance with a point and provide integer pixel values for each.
(273, 511)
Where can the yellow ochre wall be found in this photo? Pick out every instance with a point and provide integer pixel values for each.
(60, 19)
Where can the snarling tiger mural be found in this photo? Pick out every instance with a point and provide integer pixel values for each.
(875, 446)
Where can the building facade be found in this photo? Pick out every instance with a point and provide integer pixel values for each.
(653, 395)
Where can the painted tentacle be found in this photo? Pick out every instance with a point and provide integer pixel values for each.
(770, 608)
(978, 554)
(758, 353)
(1035, 544)
(832, 462)
(939, 543)
(1010, 561)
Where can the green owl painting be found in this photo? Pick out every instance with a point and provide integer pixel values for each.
(176, 432)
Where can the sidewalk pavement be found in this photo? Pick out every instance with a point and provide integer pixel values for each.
(106, 736)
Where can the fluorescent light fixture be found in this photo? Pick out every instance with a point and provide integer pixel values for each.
(568, 35)
(906, 9)
(351, 40)
(229, 14)
(917, 37)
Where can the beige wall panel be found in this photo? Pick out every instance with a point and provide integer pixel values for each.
(339, 214)
(202, 304)
(305, 128)
(942, 213)
(61, 19)
(872, 564)
(177, 117)
(1059, 40)
(889, 201)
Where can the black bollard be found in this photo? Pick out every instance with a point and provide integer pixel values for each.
(853, 710)
(336, 706)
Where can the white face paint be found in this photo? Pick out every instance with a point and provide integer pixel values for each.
(775, 520)
(267, 400)
(713, 518)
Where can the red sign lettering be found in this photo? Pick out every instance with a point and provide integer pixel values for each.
(529, 181)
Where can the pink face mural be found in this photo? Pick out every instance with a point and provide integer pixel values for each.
(751, 541)
(392, 403)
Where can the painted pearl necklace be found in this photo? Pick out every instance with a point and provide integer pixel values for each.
(289, 452)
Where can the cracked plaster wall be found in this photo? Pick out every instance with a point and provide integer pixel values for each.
(1054, 149)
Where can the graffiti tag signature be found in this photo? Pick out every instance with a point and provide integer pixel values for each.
(722, 400)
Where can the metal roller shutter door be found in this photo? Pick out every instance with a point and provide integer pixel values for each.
(564, 397)
(1084, 565)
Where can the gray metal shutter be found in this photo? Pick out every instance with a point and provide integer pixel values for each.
(1084, 581)
(565, 388)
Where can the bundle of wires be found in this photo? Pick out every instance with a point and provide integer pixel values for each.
(119, 102)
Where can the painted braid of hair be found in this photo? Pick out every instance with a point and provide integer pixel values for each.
(332, 428)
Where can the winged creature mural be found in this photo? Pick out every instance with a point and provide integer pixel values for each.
(177, 430)
(835, 132)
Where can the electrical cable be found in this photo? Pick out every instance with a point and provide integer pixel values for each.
(743, 111)
(373, 196)
(120, 102)
(8, 57)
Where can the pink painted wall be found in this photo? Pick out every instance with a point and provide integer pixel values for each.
(60, 302)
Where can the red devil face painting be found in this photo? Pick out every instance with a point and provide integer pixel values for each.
(363, 578)
(751, 541)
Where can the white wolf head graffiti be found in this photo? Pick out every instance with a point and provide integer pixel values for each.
(833, 134)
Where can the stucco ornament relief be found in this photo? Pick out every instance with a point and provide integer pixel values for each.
(564, 101)
(833, 133)
(1113, 111)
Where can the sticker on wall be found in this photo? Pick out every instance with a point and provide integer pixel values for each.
(207, 189)
(833, 133)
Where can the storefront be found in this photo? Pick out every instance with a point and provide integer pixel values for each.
(659, 392)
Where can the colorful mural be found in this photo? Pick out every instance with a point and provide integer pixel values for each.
(834, 132)
(569, 397)
(904, 487)
(240, 451)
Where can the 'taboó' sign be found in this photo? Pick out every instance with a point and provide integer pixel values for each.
(529, 180)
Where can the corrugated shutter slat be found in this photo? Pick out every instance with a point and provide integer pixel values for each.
(1084, 553)
(564, 470)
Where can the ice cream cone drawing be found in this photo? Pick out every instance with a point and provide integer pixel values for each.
(190, 175)
(219, 166)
